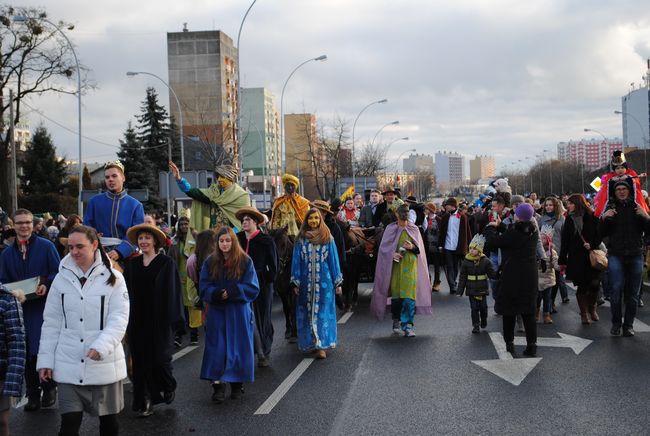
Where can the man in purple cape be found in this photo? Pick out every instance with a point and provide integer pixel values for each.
(389, 251)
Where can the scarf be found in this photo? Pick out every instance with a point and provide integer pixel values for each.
(318, 236)
(474, 258)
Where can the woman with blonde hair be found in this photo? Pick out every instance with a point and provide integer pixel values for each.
(316, 278)
(553, 216)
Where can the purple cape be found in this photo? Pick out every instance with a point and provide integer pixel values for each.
(380, 292)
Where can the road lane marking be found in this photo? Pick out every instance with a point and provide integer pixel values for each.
(514, 371)
(576, 343)
(284, 387)
(346, 316)
(184, 351)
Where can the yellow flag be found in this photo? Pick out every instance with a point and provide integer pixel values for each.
(348, 193)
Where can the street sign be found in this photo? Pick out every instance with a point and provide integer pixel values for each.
(596, 184)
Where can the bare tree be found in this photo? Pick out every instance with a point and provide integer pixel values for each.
(371, 160)
(34, 56)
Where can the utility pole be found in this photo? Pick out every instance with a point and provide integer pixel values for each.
(13, 183)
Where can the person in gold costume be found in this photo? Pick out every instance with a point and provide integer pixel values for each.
(290, 209)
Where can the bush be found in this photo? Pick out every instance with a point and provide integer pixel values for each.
(37, 203)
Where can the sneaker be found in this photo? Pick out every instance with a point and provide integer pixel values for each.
(219, 392)
(641, 304)
(194, 338)
(476, 329)
(147, 411)
(565, 300)
(397, 329)
(484, 323)
(178, 341)
(628, 332)
(615, 331)
(236, 391)
(409, 333)
(263, 362)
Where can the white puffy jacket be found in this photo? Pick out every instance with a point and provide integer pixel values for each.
(77, 319)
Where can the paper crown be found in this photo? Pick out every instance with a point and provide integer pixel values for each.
(477, 242)
(114, 164)
(184, 213)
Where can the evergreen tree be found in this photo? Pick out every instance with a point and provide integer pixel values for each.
(137, 166)
(153, 133)
(86, 180)
(43, 172)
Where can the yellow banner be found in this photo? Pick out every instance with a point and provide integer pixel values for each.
(348, 193)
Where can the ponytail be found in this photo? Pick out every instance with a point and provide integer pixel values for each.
(92, 236)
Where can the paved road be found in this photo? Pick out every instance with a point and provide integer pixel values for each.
(378, 383)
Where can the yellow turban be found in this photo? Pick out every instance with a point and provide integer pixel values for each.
(289, 178)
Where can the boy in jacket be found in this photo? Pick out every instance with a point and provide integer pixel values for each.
(475, 270)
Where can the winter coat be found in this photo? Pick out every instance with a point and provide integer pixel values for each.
(474, 276)
(12, 342)
(464, 233)
(547, 278)
(78, 319)
(517, 287)
(574, 255)
(557, 224)
(624, 231)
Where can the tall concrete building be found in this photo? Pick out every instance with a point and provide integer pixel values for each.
(482, 167)
(260, 132)
(418, 163)
(450, 170)
(300, 147)
(203, 73)
(636, 115)
(592, 153)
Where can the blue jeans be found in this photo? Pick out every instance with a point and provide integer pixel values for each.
(560, 285)
(452, 265)
(403, 309)
(624, 281)
(545, 296)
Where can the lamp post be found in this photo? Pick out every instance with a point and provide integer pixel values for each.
(384, 100)
(284, 87)
(583, 169)
(412, 150)
(238, 107)
(180, 113)
(406, 138)
(24, 19)
(394, 123)
(646, 143)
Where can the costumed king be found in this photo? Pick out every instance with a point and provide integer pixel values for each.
(216, 205)
(290, 209)
(619, 171)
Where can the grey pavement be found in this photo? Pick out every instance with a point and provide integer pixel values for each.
(379, 383)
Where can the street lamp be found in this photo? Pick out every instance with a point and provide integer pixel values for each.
(24, 19)
(384, 100)
(180, 113)
(394, 123)
(239, 87)
(412, 150)
(284, 87)
(646, 143)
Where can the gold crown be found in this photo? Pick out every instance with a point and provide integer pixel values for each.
(184, 213)
(114, 164)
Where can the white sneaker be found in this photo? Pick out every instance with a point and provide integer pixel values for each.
(409, 333)
(397, 329)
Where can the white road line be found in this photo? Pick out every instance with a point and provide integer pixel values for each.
(500, 346)
(346, 316)
(284, 387)
(184, 351)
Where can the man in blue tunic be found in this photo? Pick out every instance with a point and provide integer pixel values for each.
(113, 212)
(28, 257)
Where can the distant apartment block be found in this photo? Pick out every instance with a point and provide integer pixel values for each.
(418, 163)
(449, 170)
(260, 132)
(482, 167)
(592, 153)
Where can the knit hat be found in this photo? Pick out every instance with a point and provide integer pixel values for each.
(451, 201)
(517, 199)
(477, 242)
(624, 182)
(524, 212)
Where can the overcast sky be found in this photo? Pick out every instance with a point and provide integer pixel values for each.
(507, 78)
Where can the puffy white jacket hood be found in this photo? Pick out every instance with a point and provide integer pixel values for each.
(80, 318)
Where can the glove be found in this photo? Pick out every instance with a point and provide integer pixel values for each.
(542, 264)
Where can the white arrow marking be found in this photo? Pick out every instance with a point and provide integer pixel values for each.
(566, 341)
(513, 371)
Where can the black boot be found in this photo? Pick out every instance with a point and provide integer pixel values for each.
(147, 410)
(531, 350)
(33, 402)
(219, 392)
(510, 348)
(236, 390)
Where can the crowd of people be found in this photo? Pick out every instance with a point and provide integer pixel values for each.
(87, 302)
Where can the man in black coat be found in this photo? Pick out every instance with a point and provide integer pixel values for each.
(624, 226)
(370, 215)
(261, 249)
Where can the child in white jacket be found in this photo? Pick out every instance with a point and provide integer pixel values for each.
(86, 315)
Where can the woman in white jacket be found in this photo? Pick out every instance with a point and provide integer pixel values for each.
(86, 315)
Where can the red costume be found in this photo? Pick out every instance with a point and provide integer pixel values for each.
(603, 196)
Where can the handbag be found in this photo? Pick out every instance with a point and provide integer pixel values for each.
(597, 258)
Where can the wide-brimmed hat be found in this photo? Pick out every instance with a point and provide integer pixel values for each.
(431, 207)
(321, 205)
(133, 232)
(251, 212)
(411, 199)
(451, 201)
(389, 189)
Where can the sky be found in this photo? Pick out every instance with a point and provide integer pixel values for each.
(506, 78)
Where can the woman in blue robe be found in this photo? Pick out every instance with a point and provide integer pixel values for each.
(228, 285)
(316, 278)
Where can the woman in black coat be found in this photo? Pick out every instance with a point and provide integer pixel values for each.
(517, 286)
(581, 223)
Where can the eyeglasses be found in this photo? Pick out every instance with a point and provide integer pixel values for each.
(22, 223)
